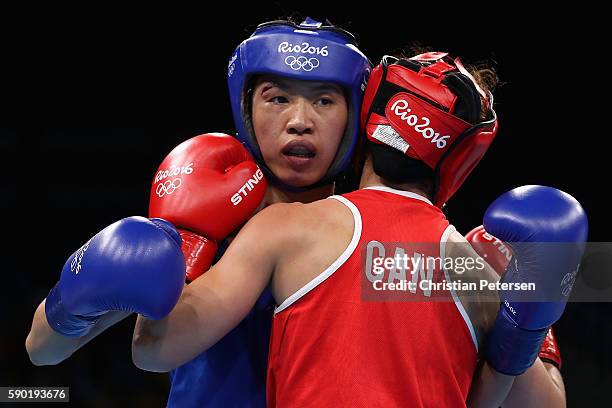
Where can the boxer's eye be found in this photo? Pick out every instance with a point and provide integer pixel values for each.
(279, 100)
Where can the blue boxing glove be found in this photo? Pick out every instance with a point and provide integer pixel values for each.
(134, 264)
(531, 219)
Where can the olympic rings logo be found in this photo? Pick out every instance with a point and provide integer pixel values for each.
(301, 62)
(75, 265)
(167, 187)
(568, 282)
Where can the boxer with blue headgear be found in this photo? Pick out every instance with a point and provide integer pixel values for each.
(296, 93)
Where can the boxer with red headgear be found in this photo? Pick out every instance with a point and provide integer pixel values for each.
(427, 108)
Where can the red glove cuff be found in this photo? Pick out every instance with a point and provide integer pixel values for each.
(549, 352)
(199, 253)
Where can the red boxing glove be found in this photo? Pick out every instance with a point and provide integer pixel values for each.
(207, 187)
(495, 252)
(498, 254)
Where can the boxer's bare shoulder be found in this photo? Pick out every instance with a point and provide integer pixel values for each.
(313, 236)
(328, 219)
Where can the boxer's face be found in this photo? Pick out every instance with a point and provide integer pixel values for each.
(299, 126)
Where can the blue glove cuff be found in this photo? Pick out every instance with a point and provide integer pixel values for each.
(64, 322)
(511, 350)
(169, 229)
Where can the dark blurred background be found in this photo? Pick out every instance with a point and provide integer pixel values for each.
(94, 99)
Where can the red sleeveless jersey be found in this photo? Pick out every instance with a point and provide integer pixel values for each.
(330, 347)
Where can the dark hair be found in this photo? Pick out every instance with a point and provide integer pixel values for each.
(397, 168)
(483, 71)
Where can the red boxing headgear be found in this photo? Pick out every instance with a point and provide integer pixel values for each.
(429, 108)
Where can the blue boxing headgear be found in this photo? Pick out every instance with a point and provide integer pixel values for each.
(309, 51)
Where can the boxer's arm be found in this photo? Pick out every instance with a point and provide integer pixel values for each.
(217, 301)
(109, 286)
(45, 346)
(489, 388)
(526, 387)
(481, 305)
(540, 386)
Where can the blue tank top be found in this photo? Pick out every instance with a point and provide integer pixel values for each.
(232, 373)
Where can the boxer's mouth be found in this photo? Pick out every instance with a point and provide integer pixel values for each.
(299, 148)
